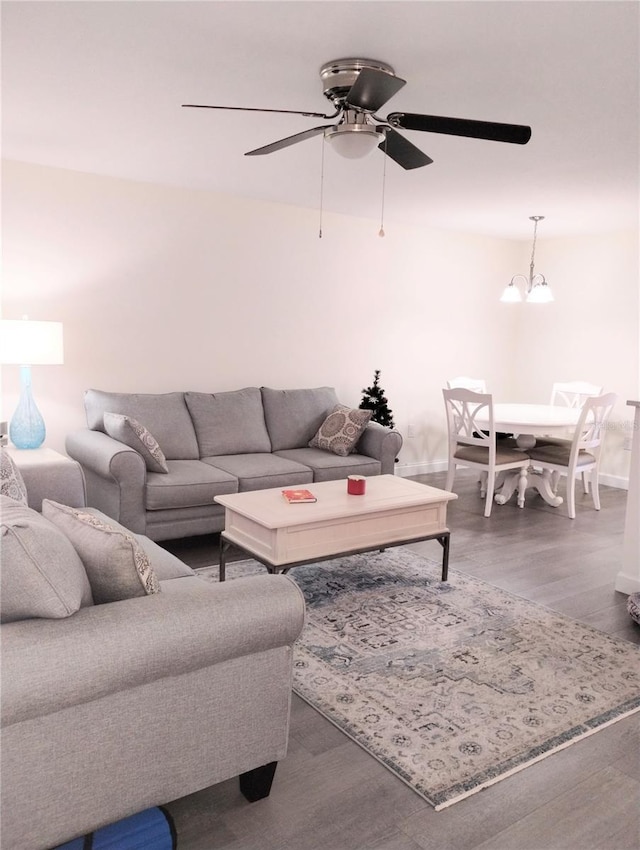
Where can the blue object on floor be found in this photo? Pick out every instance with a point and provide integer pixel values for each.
(152, 829)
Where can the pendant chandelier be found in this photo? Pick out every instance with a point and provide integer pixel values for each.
(536, 288)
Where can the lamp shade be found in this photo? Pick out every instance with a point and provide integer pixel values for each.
(540, 294)
(511, 294)
(27, 343)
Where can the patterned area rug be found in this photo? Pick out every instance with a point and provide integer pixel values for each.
(453, 686)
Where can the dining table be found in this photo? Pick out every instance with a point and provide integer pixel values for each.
(527, 422)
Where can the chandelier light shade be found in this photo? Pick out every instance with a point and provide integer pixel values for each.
(536, 288)
(26, 343)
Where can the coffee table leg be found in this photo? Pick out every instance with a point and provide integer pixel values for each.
(444, 541)
(224, 545)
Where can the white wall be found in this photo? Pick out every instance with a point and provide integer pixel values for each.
(164, 289)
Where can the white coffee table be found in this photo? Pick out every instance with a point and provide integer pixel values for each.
(393, 511)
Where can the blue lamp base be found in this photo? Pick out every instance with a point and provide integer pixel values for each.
(27, 430)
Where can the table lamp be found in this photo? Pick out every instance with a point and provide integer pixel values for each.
(26, 343)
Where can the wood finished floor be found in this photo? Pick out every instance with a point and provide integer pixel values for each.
(328, 794)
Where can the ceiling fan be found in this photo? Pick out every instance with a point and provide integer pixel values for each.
(357, 88)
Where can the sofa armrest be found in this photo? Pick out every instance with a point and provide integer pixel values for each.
(50, 475)
(381, 443)
(115, 475)
(191, 625)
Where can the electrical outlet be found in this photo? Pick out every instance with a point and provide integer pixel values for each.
(411, 430)
(626, 445)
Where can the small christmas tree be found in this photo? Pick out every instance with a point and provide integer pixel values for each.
(374, 399)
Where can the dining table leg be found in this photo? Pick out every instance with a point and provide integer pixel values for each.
(510, 483)
(521, 480)
(544, 484)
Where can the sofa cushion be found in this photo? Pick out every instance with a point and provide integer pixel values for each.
(189, 483)
(261, 471)
(229, 423)
(116, 564)
(294, 416)
(133, 434)
(341, 430)
(11, 481)
(164, 414)
(42, 574)
(164, 564)
(327, 466)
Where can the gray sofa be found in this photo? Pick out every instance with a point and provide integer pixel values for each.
(213, 444)
(110, 708)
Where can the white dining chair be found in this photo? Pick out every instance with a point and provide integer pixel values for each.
(582, 453)
(573, 393)
(570, 394)
(478, 385)
(473, 445)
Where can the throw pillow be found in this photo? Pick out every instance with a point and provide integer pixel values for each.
(133, 434)
(341, 430)
(163, 563)
(633, 606)
(11, 481)
(116, 564)
(42, 574)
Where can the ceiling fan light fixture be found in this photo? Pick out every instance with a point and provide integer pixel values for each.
(353, 141)
(357, 90)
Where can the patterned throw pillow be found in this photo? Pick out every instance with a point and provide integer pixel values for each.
(11, 481)
(116, 564)
(133, 434)
(633, 606)
(341, 430)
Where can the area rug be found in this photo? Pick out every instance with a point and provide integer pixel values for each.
(451, 685)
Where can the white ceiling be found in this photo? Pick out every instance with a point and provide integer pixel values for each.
(98, 87)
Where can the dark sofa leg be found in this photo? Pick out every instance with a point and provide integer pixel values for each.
(256, 784)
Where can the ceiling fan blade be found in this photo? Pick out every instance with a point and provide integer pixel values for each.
(517, 134)
(290, 140)
(373, 89)
(403, 152)
(254, 109)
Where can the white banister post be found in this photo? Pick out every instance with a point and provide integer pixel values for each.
(628, 579)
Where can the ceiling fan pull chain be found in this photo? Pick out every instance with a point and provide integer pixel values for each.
(384, 180)
(321, 186)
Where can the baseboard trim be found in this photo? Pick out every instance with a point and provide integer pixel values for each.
(422, 468)
(614, 481)
(626, 583)
(405, 470)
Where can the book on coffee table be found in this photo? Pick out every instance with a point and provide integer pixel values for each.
(293, 496)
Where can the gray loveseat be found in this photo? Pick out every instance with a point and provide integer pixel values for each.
(214, 444)
(110, 708)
